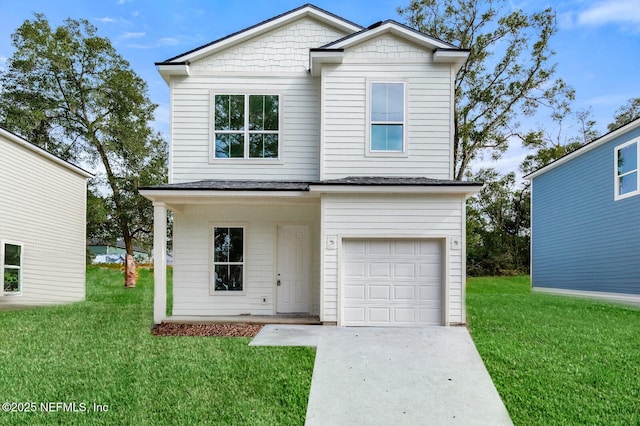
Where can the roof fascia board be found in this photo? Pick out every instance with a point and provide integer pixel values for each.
(176, 194)
(395, 189)
(268, 26)
(317, 57)
(168, 70)
(456, 57)
(588, 147)
(36, 149)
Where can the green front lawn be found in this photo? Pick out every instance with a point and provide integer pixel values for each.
(101, 351)
(554, 359)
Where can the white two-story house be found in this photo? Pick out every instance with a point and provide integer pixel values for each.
(311, 172)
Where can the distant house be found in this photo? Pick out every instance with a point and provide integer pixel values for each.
(585, 237)
(311, 172)
(42, 225)
(106, 252)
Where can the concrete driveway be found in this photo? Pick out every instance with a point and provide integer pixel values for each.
(383, 376)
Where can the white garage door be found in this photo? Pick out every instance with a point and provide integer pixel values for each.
(392, 282)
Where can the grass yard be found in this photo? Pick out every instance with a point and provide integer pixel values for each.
(101, 351)
(554, 359)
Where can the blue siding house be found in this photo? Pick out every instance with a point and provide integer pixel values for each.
(585, 219)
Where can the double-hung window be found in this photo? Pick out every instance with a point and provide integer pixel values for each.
(387, 127)
(627, 178)
(11, 268)
(228, 258)
(246, 126)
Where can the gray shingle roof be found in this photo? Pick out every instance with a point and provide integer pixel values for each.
(278, 185)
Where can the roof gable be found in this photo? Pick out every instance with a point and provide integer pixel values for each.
(263, 27)
(6, 135)
(393, 27)
(621, 131)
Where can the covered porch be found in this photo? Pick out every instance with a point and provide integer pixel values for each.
(241, 252)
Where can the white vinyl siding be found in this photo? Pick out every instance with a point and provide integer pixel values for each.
(428, 92)
(51, 232)
(192, 129)
(274, 62)
(401, 216)
(192, 255)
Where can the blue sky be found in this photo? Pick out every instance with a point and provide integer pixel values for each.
(598, 43)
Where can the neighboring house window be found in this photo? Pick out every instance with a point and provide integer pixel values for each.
(246, 126)
(387, 117)
(627, 181)
(228, 258)
(12, 268)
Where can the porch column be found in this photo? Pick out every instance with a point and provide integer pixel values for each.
(159, 261)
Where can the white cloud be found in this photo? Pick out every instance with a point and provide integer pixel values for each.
(105, 20)
(132, 35)
(611, 11)
(3, 62)
(168, 41)
(123, 1)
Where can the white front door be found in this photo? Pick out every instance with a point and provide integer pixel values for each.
(294, 272)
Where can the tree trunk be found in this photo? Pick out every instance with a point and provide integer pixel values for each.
(130, 272)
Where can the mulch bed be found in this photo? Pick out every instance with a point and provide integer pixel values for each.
(213, 330)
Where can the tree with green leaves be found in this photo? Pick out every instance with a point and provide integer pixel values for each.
(508, 72)
(498, 221)
(68, 90)
(626, 114)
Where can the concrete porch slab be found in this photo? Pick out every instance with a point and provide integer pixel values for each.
(288, 335)
(381, 376)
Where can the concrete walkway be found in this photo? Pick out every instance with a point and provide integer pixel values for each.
(383, 376)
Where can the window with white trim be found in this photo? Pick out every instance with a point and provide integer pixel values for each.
(11, 268)
(246, 126)
(228, 258)
(627, 178)
(387, 117)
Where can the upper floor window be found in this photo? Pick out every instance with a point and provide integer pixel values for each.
(387, 117)
(246, 126)
(11, 268)
(627, 182)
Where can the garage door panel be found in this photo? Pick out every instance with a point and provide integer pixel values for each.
(404, 293)
(355, 291)
(378, 247)
(380, 292)
(405, 247)
(355, 269)
(377, 269)
(428, 270)
(404, 315)
(430, 248)
(404, 270)
(395, 282)
(379, 315)
(354, 315)
(429, 293)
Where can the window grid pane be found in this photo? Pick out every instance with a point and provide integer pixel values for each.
(627, 159)
(228, 258)
(12, 255)
(11, 280)
(12, 262)
(259, 127)
(387, 117)
(628, 183)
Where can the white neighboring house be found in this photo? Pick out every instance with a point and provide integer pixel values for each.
(311, 171)
(42, 225)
